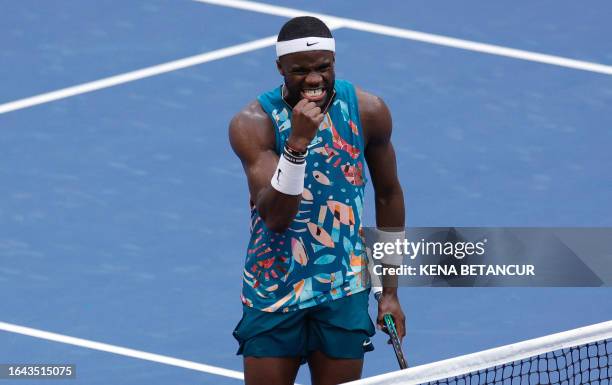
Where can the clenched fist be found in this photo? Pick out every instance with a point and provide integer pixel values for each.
(305, 122)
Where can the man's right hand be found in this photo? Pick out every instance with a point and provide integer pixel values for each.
(305, 120)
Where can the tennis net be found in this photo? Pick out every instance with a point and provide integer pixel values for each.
(579, 356)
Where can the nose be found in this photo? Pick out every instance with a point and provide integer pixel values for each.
(314, 78)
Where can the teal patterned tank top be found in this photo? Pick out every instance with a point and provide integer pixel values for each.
(321, 257)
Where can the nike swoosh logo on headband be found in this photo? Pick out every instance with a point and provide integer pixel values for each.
(309, 44)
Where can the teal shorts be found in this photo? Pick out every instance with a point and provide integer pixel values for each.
(340, 329)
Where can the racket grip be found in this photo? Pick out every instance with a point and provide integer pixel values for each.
(390, 324)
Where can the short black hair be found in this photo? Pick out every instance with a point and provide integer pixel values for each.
(303, 26)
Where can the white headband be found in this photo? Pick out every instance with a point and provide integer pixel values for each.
(305, 44)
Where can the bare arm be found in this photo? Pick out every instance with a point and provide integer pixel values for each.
(389, 198)
(252, 138)
(380, 156)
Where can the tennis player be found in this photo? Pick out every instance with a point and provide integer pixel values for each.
(304, 146)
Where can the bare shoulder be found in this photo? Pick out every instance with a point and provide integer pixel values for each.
(374, 115)
(251, 129)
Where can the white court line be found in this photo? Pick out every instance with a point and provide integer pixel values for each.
(144, 73)
(121, 350)
(332, 21)
(418, 36)
(138, 74)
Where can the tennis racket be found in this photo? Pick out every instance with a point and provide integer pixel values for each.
(390, 324)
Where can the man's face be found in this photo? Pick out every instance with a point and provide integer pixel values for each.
(308, 75)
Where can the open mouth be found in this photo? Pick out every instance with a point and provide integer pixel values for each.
(314, 94)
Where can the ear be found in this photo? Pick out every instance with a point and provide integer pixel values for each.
(280, 68)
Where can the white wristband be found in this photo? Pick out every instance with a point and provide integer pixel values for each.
(393, 259)
(289, 177)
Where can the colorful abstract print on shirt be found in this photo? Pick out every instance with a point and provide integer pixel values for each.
(321, 256)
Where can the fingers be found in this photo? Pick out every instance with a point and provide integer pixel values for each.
(381, 326)
(400, 324)
(306, 119)
(310, 106)
(314, 112)
(310, 110)
(316, 115)
(301, 104)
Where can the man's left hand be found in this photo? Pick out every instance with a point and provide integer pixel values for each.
(389, 304)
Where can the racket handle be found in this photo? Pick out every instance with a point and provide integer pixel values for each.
(399, 354)
(390, 324)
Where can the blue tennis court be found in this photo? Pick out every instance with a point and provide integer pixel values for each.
(124, 213)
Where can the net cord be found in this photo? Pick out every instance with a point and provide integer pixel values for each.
(492, 357)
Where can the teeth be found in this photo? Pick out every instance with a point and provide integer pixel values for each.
(316, 92)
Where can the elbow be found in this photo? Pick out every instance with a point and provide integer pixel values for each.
(277, 215)
(275, 223)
